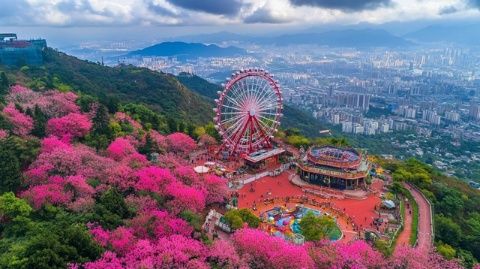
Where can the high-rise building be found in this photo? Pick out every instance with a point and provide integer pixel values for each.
(358, 129)
(475, 111)
(452, 116)
(384, 127)
(347, 126)
(410, 113)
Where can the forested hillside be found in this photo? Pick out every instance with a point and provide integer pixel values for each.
(118, 85)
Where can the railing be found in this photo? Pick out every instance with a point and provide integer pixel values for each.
(335, 163)
(274, 172)
(432, 229)
(345, 175)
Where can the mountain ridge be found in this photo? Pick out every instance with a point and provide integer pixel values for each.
(188, 50)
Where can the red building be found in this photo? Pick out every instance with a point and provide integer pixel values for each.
(338, 168)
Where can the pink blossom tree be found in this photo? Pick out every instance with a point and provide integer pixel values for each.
(3, 134)
(121, 176)
(57, 104)
(178, 251)
(154, 179)
(108, 260)
(69, 127)
(216, 187)
(181, 143)
(141, 203)
(22, 124)
(358, 254)
(120, 148)
(159, 140)
(156, 224)
(264, 251)
(170, 160)
(100, 235)
(122, 240)
(185, 198)
(175, 251)
(63, 159)
(223, 254)
(19, 94)
(47, 193)
(53, 103)
(187, 175)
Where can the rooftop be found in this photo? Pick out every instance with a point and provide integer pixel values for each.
(263, 154)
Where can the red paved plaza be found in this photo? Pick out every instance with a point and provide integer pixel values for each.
(361, 212)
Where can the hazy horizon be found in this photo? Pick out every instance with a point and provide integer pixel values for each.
(68, 22)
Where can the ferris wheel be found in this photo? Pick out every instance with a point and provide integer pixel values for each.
(248, 111)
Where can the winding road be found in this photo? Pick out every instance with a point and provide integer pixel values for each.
(424, 242)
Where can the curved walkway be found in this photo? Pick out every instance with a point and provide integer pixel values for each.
(424, 240)
(404, 237)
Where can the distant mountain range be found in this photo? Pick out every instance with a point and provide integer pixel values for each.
(462, 34)
(188, 50)
(458, 34)
(357, 38)
(362, 38)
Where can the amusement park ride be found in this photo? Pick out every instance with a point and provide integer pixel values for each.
(248, 112)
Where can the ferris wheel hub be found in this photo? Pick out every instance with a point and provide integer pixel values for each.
(251, 112)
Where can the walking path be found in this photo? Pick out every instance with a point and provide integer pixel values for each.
(404, 237)
(424, 240)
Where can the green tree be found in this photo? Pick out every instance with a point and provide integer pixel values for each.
(211, 131)
(10, 174)
(172, 125)
(472, 234)
(447, 231)
(11, 206)
(110, 209)
(26, 150)
(101, 121)
(235, 218)
(4, 83)
(316, 228)
(446, 251)
(298, 141)
(40, 121)
(195, 220)
(251, 219)
(86, 102)
(383, 246)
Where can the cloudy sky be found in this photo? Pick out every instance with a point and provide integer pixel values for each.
(187, 16)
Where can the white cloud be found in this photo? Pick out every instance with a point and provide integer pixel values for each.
(204, 12)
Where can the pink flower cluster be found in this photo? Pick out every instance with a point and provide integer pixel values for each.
(3, 134)
(68, 127)
(153, 240)
(265, 251)
(122, 150)
(22, 124)
(53, 103)
(72, 191)
(180, 143)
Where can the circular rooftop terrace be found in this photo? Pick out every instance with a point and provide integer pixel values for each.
(334, 157)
